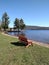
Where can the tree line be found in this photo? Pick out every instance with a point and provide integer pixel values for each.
(18, 23)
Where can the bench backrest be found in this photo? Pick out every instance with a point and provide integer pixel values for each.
(22, 38)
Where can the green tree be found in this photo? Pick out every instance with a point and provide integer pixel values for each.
(22, 25)
(5, 21)
(16, 24)
(19, 24)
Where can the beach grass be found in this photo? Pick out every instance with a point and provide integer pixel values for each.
(11, 54)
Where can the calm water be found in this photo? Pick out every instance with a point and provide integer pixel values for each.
(37, 35)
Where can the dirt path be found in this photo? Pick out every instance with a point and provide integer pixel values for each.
(10, 35)
(41, 44)
(34, 42)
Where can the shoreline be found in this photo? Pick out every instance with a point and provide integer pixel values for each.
(34, 42)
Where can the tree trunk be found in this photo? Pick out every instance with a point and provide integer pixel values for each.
(4, 29)
(18, 31)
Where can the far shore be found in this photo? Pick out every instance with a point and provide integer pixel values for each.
(34, 42)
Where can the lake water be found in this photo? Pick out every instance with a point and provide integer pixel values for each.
(36, 35)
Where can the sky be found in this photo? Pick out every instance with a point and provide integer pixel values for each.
(33, 12)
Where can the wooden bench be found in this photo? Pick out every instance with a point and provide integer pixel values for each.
(23, 39)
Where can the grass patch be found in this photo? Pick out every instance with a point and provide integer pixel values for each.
(19, 55)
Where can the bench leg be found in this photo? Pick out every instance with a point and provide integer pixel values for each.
(28, 45)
